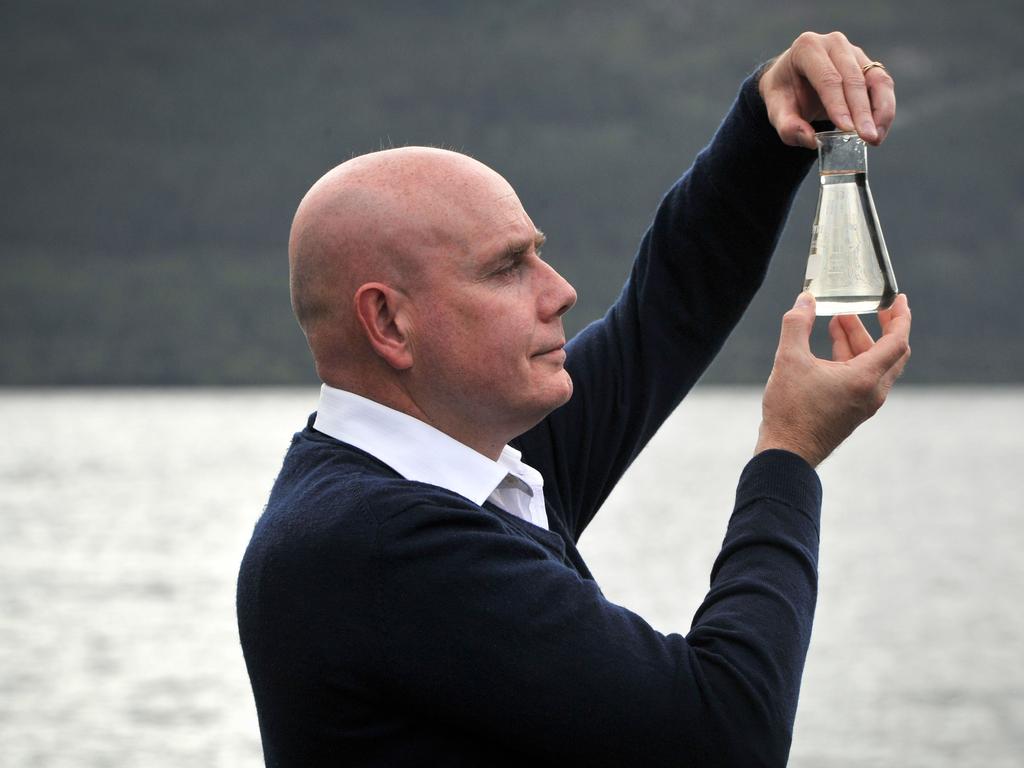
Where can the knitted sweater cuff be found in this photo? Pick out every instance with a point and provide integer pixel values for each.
(783, 476)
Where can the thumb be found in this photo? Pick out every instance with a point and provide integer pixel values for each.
(797, 324)
(794, 130)
(784, 113)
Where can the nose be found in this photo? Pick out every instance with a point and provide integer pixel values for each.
(557, 295)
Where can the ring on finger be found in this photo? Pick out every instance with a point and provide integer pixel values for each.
(872, 65)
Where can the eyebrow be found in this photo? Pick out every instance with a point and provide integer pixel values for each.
(516, 249)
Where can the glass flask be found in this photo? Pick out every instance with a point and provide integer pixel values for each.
(848, 269)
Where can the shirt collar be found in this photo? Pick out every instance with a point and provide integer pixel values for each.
(413, 448)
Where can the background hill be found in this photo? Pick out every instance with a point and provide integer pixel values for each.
(153, 154)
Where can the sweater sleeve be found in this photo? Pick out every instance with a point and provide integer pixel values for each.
(697, 268)
(487, 633)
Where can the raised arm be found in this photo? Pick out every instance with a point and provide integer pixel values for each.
(698, 266)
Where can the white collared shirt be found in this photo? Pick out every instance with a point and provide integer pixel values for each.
(418, 451)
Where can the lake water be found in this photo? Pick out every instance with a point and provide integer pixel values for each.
(124, 513)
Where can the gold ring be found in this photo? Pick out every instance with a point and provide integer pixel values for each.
(866, 67)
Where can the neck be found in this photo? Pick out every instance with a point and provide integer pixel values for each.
(485, 442)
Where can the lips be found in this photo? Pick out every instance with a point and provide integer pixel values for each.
(555, 348)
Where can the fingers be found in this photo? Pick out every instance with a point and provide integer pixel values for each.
(846, 60)
(899, 311)
(852, 100)
(896, 322)
(841, 349)
(849, 337)
(779, 91)
(860, 339)
(890, 353)
(797, 325)
(784, 114)
(812, 59)
(882, 92)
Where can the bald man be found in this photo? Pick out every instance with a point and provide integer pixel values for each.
(413, 593)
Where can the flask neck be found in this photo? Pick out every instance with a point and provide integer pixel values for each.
(841, 152)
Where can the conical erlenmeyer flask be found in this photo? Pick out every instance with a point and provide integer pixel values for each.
(848, 270)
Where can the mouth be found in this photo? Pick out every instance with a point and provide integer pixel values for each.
(557, 349)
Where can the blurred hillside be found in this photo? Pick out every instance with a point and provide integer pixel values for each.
(153, 155)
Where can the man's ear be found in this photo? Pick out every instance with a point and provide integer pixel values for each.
(380, 310)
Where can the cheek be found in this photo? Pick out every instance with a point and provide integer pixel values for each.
(504, 332)
(491, 342)
(442, 333)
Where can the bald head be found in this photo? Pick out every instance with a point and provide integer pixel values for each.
(381, 217)
(416, 275)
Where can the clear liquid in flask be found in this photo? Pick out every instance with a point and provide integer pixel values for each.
(848, 269)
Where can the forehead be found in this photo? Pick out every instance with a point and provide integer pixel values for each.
(461, 213)
(492, 218)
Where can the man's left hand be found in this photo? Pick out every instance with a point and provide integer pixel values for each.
(822, 76)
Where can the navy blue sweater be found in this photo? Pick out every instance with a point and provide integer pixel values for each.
(387, 622)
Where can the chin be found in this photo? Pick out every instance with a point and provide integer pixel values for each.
(564, 392)
(555, 395)
(568, 387)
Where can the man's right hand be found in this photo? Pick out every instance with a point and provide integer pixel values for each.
(811, 405)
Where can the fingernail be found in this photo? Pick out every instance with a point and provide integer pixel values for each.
(867, 130)
(845, 123)
(881, 132)
(804, 300)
